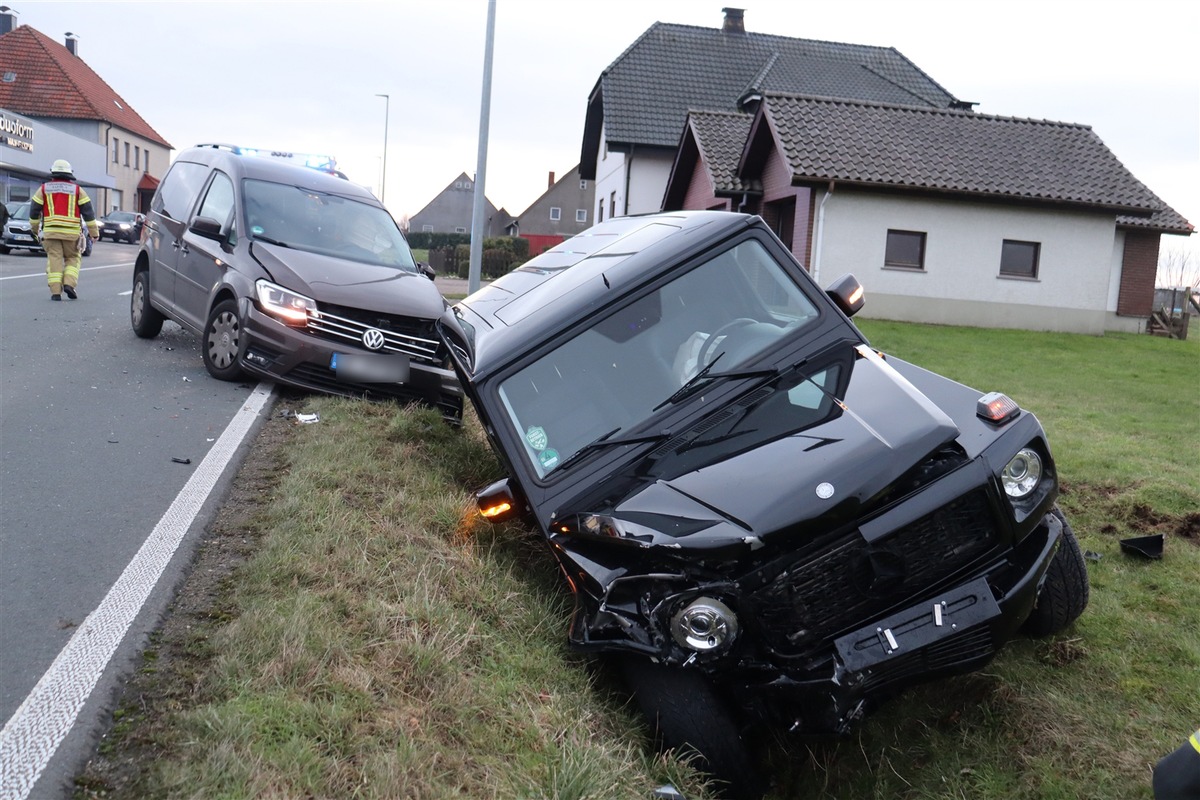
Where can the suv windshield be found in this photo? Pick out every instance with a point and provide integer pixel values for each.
(622, 368)
(121, 216)
(329, 224)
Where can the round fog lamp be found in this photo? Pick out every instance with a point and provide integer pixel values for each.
(1023, 474)
(705, 625)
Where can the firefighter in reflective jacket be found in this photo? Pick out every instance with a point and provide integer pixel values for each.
(1177, 775)
(56, 211)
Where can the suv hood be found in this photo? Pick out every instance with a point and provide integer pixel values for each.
(353, 284)
(825, 475)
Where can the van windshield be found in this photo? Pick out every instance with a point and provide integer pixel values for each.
(329, 224)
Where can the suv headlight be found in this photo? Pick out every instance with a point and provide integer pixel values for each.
(284, 304)
(1022, 474)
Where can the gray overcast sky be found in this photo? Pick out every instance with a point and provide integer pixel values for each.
(303, 76)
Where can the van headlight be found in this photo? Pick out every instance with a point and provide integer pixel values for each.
(284, 304)
(1022, 474)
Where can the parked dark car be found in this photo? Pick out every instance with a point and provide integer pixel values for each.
(122, 226)
(294, 275)
(17, 234)
(761, 517)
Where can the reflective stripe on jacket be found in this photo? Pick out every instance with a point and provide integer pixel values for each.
(60, 205)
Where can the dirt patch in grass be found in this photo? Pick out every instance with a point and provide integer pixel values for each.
(179, 654)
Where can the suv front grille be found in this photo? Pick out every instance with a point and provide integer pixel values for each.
(412, 337)
(852, 581)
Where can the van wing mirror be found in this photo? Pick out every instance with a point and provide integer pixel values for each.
(207, 227)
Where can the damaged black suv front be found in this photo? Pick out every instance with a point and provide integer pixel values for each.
(761, 516)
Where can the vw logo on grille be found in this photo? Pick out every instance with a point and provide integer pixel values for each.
(373, 338)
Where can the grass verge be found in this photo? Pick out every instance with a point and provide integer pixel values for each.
(362, 636)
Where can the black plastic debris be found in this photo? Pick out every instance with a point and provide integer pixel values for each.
(1144, 546)
(182, 460)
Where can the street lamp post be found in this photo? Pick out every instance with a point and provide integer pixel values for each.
(386, 113)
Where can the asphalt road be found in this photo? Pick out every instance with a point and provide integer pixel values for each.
(92, 420)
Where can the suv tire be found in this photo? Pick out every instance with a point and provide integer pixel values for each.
(219, 345)
(1064, 594)
(686, 714)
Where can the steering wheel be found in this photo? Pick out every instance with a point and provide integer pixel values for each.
(704, 358)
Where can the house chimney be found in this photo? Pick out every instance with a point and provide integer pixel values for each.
(550, 183)
(8, 20)
(72, 43)
(734, 22)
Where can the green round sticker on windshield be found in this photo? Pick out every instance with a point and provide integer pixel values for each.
(536, 436)
(549, 458)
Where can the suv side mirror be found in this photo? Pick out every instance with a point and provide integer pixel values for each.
(426, 270)
(207, 227)
(847, 294)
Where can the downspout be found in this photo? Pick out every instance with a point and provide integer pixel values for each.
(743, 202)
(816, 266)
(107, 145)
(628, 174)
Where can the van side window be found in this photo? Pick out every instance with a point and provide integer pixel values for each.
(177, 194)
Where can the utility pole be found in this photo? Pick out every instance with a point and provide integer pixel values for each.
(387, 106)
(485, 105)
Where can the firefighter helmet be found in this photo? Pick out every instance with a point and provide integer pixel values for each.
(61, 165)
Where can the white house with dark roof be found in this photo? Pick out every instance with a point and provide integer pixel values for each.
(639, 104)
(944, 215)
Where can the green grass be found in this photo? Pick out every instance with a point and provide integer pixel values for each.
(382, 643)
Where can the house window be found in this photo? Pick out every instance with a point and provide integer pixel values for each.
(426, 229)
(581, 215)
(612, 205)
(137, 157)
(905, 250)
(127, 154)
(1019, 259)
(583, 185)
(600, 211)
(116, 151)
(146, 161)
(555, 213)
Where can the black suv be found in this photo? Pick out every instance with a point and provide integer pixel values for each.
(761, 517)
(294, 275)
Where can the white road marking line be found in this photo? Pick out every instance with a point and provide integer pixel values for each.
(42, 274)
(34, 732)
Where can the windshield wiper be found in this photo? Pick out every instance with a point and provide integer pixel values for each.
(693, 383)
(258, 237)
(602, 442)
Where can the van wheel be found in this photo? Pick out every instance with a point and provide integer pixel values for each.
(147, 321)
(687, 715)
(1064, 593)
(222, 333)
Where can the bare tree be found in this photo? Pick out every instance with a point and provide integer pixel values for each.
(1178, 267)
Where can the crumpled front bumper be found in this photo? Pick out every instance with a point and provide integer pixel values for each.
(956, 631)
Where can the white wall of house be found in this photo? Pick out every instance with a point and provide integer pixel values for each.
(961, 283)
(610, 181)
(649, 170)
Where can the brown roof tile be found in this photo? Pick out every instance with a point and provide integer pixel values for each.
(962, 152)
(51, 82)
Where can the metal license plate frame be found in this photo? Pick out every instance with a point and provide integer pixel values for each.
(955, 611)
(370, 367)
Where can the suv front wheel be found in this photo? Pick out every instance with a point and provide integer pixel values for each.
(220, 346)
